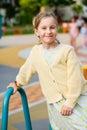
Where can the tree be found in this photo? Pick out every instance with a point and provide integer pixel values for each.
(61, 2)
(84, 2)
(29, 8)
(78, 8)
(10, 7)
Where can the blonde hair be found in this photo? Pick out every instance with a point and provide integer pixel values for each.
(37, 19)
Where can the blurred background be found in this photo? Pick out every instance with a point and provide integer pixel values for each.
(16, 15)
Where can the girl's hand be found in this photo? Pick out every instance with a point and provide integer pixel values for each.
(66, 111)
(13, 85)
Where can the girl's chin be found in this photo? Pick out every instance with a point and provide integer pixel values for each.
(49, 40)
(48, 43)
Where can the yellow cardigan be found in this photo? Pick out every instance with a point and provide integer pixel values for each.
(64, 78)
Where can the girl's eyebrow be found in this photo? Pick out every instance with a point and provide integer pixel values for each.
(50, 25)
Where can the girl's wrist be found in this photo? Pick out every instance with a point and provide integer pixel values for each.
(17, 84)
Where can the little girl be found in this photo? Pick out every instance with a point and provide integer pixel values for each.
(73, 31)
(83, 32)
(60, 75)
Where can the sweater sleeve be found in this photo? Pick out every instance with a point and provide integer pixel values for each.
(26, 71)
(74, 78)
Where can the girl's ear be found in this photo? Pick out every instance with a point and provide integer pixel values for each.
(36, 32)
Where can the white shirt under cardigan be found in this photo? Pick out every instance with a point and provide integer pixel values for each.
(49, 55)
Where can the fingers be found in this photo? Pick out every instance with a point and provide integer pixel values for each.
(13, 86)
(66, 111)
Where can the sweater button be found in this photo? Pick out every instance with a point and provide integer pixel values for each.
(54, 81)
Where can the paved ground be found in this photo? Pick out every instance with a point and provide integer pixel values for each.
(13, 52)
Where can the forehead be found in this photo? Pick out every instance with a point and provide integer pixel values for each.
(48, 20)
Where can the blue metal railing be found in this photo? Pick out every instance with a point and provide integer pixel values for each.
(5, 105)
(5, 109)
(50, 128)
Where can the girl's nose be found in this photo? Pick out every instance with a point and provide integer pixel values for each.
(48, 30)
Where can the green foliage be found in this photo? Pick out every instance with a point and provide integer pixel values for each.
(78, 8)
(29, 4)
(29, 8)
(84, 2)
(25, 10)
(32, 5)
(8, 33)
(10, 11)
(60, 2)
(29, 31)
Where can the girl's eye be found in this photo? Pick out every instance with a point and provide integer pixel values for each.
(52, 27)
(43, 28)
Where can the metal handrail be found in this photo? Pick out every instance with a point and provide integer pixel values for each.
(5, 105)
(50, 128)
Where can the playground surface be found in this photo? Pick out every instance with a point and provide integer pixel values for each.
(13, 53)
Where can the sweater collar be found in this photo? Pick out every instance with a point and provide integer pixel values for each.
(56, 59)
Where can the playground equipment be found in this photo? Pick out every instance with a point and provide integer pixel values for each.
(0, 25)
(85, 71)
(5, 105)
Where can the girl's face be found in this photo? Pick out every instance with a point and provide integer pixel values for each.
(73, 20)
(47, 30)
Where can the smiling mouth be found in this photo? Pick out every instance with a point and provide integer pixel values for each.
(48, 36)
